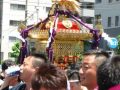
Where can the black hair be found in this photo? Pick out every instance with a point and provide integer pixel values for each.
(50, 77)
(41, 56)
(7, 63)
(100, 56)
(108, 73)
(73, 75)
(97, 53)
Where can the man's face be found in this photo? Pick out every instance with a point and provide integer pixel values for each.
(88, 71)
(27, 69)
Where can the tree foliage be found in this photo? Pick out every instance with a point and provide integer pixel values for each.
(15, 50)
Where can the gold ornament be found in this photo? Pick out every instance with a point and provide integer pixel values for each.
(21, 27)
(67, 23)
(69, 5)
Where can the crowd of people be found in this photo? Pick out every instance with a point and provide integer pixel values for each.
(97, 71)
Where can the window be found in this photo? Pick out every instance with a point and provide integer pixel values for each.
(47, 9)
(17, 7)
(116, 20)
(89, 20)
(12, 39)
(90, 5)
(109, 21)
(98, 1)
(87, 5)
(97, 18)
(110, 1)
(14, 23)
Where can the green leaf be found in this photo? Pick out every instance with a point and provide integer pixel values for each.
(15, 50)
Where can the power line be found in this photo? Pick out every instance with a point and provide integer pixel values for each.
(26, 3)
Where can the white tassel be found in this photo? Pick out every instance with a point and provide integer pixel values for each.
(56, 23)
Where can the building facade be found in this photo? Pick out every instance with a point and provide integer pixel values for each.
(109, 13)
(13, 13)
(87, 11)
(105, 11)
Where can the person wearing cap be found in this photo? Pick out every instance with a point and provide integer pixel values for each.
(8, 82)
(28, 69)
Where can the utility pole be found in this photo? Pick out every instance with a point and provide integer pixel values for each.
(37, 11)
(26, 4)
